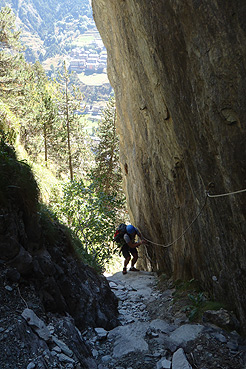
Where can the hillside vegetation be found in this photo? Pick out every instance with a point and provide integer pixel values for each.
(52, 32)
(39, 119)
(49, 25)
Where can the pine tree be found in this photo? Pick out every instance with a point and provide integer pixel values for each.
(37, 114)
(9, 37)
(107, 157)
(70, 104)
(47, 111)
(42, 112)
(11, 77)
(10, 58)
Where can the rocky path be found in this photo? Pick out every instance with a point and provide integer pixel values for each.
(151, 336)
(154, 332)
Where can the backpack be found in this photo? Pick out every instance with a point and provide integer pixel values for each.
(119, 234)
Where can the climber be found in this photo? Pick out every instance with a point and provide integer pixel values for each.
(130, 247)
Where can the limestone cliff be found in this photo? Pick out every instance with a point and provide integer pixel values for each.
(178, 72)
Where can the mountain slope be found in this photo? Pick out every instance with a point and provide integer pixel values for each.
(41, 16)
(47, 26)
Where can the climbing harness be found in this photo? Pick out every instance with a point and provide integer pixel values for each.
(193, 221)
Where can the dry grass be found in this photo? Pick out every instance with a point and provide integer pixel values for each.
(95, 79)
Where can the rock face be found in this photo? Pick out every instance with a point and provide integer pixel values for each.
(63, 283)
(178, 72)
(40, 271)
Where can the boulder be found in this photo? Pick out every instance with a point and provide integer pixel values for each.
(222, 318)
(179, 360)
(37, 324)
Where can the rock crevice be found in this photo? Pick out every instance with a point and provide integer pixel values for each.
(178, 72)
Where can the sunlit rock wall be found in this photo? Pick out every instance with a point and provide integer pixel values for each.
(178, 72)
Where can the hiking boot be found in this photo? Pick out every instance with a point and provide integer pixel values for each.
(132, 269)
(124, 271)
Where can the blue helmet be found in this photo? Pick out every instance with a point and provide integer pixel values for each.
(130, 229)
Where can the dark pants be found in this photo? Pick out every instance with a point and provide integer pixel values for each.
(127, 250)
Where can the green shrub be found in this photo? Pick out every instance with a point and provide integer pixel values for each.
(92, 215)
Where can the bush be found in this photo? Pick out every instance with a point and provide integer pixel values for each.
(91, 214)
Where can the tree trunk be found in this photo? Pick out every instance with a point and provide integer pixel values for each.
(45, 145)
(68, 134)
(110, 167)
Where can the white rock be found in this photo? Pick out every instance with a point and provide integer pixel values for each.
(220, 337)
(113, 285)
(122, 295)
(37, 324)
(65, 359)
(101, 333)
(62, 346)
(162, 326)
(127, 319)
(8, 288)
(31, 366)
(152, 334)
(106, 359)
(142, 307)
(101, 366)
(129, 338)
(164, 364)
(51, 328)
(57, 349)
(122, 311)
(186, 333)
(179, 360)
(94, 353)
